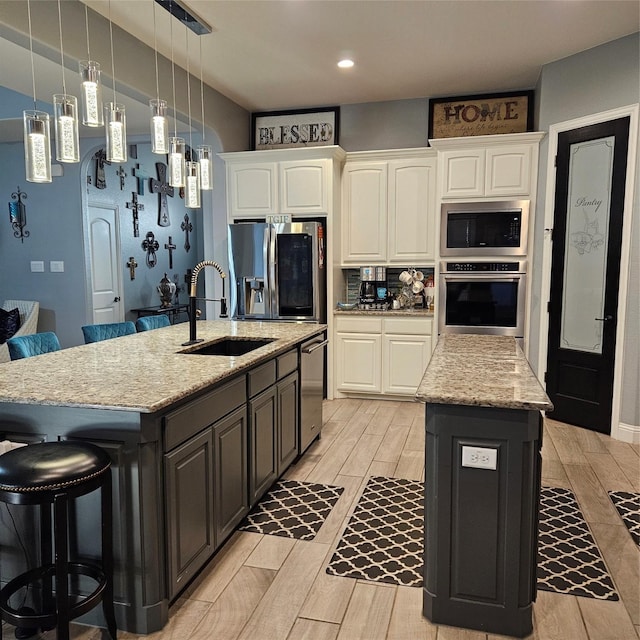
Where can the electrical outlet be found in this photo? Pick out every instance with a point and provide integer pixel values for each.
(479, 457)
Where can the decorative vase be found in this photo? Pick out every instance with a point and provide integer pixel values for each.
(166, 289)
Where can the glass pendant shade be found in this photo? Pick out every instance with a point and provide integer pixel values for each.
(205, 163)
(177, 163)
(37, 146)
(65, 110)
(116, 132)
(192, 188)
(159, 126)
(91, 94)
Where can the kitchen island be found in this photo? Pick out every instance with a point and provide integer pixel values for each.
(482, 484)
(195, 441)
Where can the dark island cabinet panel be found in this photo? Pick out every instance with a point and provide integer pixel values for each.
(231, 473)
(190, 521)
(288, 401)
(263, 455)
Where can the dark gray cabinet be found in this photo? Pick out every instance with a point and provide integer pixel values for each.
(190, 512)
(288, 432)
(263, 433)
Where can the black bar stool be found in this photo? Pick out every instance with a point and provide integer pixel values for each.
(49, 474)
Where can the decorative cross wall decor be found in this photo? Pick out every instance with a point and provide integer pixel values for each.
(122, 174)
(131, 265)
(100, 157)
(170, 247)
(187, 227)
(162, 188)
(18, 215)
(141, 175)
(135, 207)
(150, 245)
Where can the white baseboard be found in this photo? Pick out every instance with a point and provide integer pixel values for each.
(627, 433)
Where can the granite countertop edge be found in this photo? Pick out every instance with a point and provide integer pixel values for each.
(144, 372)
(481, 371)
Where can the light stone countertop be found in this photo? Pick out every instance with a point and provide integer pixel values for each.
(143, 372)
(404, 313)
(485, 371)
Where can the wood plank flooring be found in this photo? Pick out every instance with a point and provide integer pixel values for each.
(270, 588)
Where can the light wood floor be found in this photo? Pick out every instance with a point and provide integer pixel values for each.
(271, 588)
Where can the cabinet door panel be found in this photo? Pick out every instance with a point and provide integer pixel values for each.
(411, 213)
(359, 361)
(263, 460)
(463, 174)
(406, 358)
(304, 188)
(288, 421)
(231, 490)
(508, 171)
(252, 189)
(190, 530)
(365, 213)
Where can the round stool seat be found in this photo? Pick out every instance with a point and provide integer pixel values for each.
(49, 466)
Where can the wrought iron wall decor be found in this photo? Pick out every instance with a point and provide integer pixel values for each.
(151, 245)
(122, 174)
(170, 247)
(187, 227)
(132, 265)
(18, 215)
(100, 157)
(162, 188)
(135, 207)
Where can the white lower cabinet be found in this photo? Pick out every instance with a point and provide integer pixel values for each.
(377, 355)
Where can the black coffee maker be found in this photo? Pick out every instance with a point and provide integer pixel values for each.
(373, 287)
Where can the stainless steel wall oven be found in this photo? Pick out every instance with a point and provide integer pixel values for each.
(483, 297)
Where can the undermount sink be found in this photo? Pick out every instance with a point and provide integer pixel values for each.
(231, 346)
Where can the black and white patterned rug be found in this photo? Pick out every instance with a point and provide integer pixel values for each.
(627, 504)
(292, 509)
(568, 559)
(383, 541)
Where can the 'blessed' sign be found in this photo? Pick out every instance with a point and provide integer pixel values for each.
(288, 129)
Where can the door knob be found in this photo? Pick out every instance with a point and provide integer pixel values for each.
(604, 319)
(116, 299)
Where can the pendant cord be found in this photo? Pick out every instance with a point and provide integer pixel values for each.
(173, 79)
(86, 22)
(113, 72)
(64, 85)
(33, 70)
(189, 91)
(155, 48)
(201, 92)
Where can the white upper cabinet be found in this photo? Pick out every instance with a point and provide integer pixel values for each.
(297, 182)
(388, 203)
(488, 166)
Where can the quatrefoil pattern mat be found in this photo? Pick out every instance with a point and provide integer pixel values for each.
(568, 559)
(383, 541)
(628, 506)
(293, 509)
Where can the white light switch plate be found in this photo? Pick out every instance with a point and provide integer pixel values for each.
(37, 266)
(480, 457)
(56, 266)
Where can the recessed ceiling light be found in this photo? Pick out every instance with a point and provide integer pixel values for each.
(346, 63)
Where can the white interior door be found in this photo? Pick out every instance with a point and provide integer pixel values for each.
(103, 263)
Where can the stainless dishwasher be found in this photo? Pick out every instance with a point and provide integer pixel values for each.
(312, 385)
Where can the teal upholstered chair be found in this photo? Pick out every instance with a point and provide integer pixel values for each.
(99, 332)
(146, 323)
(32, 345)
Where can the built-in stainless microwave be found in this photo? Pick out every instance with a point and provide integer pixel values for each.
(480, 229)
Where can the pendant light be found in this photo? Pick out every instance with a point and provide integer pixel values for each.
(91, 85)
(192, 177)
(159, 120)
(177, 165)
(65, 108)
(205, 156)
(115, 117)
(37, 137)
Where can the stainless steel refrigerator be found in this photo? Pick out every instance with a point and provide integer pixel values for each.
(277, 271)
